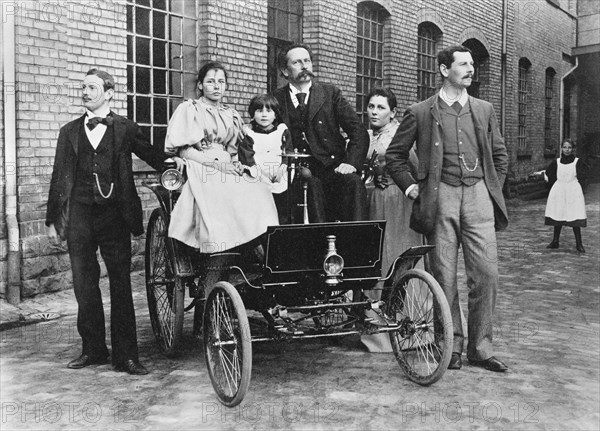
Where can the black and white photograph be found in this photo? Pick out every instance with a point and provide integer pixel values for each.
(299, 215)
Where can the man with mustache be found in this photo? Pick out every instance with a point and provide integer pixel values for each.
(457, 196)
(93, 178)
(314, 114)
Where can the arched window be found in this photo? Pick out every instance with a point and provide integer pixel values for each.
(481, 73)
(524, 67)
(370, 19)
(428, 37)
(284, 27)
(549, 141)
(161, 62)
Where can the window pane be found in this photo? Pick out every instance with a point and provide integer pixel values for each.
(130, 18)
(177, 6)
(189, 9)
(189, 85)
(175, 83)
(130, 108)
(158, 135)
(143, 2)
(130, 49)
(158, 22)
(175, 56)
(159, 4)
(189, 58)
(271, 22)
(142, 110)
(160, 111)
(142, 80)
(129, 78)
(142, 21)
(142, 51)
(160, 81)
(295, 28)
(282, 26)
(189, 31)
(158, 51)
(175, 29)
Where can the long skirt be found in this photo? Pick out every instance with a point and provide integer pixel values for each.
(217, 211)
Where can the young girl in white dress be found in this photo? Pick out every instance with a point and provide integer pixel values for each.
(269, 138)
(566, 205)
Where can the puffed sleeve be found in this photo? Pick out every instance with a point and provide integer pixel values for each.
(185, 127)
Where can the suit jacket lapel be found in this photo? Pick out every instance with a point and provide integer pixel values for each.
(315, 100)
(119, 130)
(435, 108)
(478, 117)
(75, 132)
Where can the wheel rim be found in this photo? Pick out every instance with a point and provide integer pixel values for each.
(419, 346)
(224, 345)
(161, 285)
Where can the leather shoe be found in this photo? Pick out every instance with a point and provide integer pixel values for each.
(132, 367)
(455, 362)
(85, 360)
(580, 248)
(491, 364)
(553, 244)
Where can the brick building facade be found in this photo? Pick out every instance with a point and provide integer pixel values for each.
(153, 47)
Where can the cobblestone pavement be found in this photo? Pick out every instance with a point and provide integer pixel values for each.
(547, 331)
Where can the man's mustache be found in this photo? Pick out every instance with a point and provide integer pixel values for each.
(306, 73)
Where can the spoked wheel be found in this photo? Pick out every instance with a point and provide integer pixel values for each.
(165, 291)
(423, 344)
(227, 343)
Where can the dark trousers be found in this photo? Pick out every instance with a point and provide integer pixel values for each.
(333, 197)
(92, 227)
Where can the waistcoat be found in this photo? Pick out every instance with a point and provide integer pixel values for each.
(95, 169)
(459, 140)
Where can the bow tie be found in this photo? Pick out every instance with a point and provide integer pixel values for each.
(93, 122)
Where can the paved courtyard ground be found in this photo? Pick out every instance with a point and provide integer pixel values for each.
(547, 331)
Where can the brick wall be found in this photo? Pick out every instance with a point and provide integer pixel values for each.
(58, 42)
(542, 34)
(235, 33)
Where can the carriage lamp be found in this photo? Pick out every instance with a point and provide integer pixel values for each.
(171, 179)
(333, 263)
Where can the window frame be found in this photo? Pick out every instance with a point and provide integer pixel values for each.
(426, 59)
(370, 18)
(276, 42)
(522, 102)
(172, 57)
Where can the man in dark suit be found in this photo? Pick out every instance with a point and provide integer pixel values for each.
(458, 196)
(93, 175)
(314, 114)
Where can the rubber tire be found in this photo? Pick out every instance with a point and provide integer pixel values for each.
(415, 361)
(164, 291)
(234, 328)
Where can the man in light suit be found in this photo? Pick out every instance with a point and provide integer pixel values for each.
(314, 114)
(458, 196)
(93, 175)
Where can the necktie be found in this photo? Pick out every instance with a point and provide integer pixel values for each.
(93, 122)
(301, 97)
(457, 107)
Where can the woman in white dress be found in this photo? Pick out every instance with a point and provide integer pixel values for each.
(220, 206)
(566, 205)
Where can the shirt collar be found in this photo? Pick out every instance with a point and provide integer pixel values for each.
(462, 99)
(295, 91)
(102, 113)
